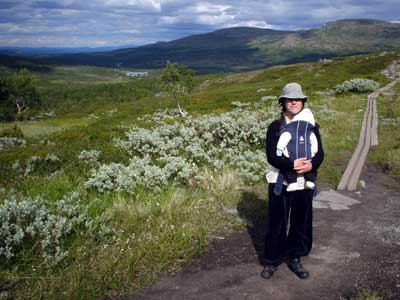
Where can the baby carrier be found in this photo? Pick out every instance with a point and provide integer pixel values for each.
(298, 146)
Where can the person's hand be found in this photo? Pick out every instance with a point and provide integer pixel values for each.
(302, 165)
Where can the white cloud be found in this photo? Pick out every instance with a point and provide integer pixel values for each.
(214, 20)
(168, 20)
(130, 31)
(152, 5)
(202, 13)
(205, 7)
(258, 24)
(6, 26)
(62, 22)
(40, 29)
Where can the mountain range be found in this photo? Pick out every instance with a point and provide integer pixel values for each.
(247, 48)
(32, 51)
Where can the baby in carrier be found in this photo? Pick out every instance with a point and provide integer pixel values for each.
(298, 140)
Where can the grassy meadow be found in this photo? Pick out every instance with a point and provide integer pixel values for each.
(387, 153)
(121, 239)
(84, 76)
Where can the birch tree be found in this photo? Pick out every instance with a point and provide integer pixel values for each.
(178, 80)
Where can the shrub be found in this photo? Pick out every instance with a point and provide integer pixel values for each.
(240, 104)
(108, 178)
(31, 226)
(89, 156)
(176, 152)
(141, 172)
(356, 85)
(39, 165)
(10, 142)
(13, 131)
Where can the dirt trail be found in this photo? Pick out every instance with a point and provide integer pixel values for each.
(356, 245)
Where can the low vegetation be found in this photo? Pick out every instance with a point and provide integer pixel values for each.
(387, 153)
(127, 190)
(364, 294)
(359, 85)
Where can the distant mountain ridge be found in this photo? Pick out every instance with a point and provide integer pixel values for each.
(247, 48)
(32, 51)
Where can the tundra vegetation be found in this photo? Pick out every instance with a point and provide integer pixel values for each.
(387, 153)
(112, 185)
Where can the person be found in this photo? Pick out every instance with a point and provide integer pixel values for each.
(282, 244)
(298, 140)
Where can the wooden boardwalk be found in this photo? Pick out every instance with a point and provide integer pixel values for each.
(368, 137)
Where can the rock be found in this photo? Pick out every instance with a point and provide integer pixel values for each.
(333, 200)
(393, 70)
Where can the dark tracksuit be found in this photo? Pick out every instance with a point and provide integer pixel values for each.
(298, 242)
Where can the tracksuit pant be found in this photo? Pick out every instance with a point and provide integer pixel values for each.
(279, 242)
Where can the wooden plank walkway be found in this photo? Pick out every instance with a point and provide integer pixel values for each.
(368, 137)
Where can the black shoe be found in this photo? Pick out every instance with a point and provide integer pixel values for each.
(297, 268)
(268, 271)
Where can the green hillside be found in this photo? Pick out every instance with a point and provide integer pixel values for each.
(245, 48)
(15, 63)
(113, 194)
(337, 38)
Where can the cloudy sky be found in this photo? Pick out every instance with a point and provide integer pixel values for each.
(97, 23)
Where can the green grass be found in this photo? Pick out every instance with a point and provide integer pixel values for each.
(153, 234)
(47, 127)
(387, 153)
(340, 134)
(366, 294)
(173, 227)
(76, 76)
(80, 76)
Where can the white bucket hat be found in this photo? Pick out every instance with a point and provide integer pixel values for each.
(292, 91)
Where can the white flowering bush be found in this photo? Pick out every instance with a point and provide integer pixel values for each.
(252, 164)
(141, 172)
(323, 110)
(269, 98)
(38, 165)
(43, 115)
(111, 112)
(177, 152)
(110, 177)
(240, 104)
(30, 226)
(10, 142)
(161, 115)
(90, 156)
(178, 168)
(390, 121)
(356, 85)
